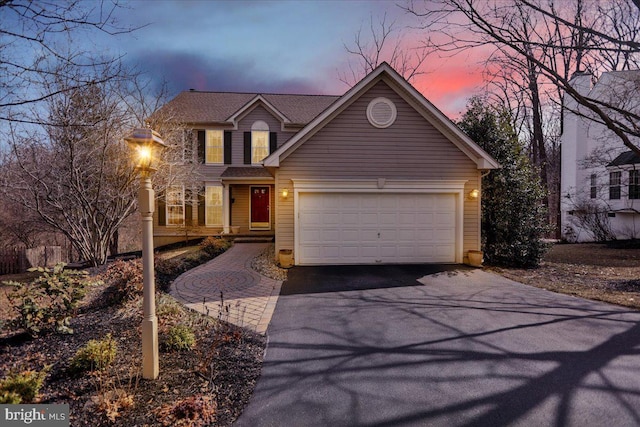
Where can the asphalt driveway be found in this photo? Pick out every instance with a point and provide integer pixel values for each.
(356, 346)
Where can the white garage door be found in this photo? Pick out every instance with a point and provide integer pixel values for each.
(366, 228)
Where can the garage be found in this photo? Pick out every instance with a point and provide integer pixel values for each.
(371, 228)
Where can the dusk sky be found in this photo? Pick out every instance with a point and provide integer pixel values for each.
(273, 46)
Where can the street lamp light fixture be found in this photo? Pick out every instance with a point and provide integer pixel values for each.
(146, 144)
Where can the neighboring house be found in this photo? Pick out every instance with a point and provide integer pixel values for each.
(600, 177)
(378, 175)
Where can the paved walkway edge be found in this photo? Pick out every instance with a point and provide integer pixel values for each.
(249, 297)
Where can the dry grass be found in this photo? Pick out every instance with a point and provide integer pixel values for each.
(597, 271)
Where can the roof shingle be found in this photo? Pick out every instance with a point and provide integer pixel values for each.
(626, 158)
(217, 107)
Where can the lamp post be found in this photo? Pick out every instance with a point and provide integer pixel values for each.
(146, 143)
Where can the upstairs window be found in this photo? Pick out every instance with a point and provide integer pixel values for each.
(594, 186)
(634, 184)
(259, 141)
(615, 179)
(214, 147)
(175, 205)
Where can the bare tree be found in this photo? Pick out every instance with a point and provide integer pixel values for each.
(75, 172)
(382, 43)
(36, 34)
(610, 40)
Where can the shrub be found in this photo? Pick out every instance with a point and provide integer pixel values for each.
(49, 301)
(214, 246)
(193, 411)
(514, 219)
(168, 308)
(179, 337)
(95, 355)
(22, 387)
(113, 402)
(124, 280)
(9, 398)
(167, 270)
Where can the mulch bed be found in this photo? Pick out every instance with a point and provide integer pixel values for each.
(222, 369)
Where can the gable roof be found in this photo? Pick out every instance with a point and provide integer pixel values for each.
(384, 71)
(222, 107)
(626, 158)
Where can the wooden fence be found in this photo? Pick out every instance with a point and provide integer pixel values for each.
(18, 260)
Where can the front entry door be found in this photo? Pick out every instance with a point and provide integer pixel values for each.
(260, 201)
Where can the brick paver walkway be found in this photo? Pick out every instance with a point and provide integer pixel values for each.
(228, 288)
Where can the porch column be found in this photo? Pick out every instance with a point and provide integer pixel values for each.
(226, 208)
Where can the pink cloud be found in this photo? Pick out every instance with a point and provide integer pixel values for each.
(450, 85)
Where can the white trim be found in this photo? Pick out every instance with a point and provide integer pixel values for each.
(226, 212)
(373, 185)
(251, 187)
(467, 146)
(455, 187)
(249, 106)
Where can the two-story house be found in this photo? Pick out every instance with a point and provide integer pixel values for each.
(377, 175)
(600, 177)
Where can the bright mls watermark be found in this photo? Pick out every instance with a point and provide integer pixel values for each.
(34, 415)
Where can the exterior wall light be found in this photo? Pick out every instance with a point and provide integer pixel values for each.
(285, 193)
(146, 145)
(473, 194)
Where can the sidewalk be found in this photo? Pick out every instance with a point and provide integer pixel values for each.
(249, 298)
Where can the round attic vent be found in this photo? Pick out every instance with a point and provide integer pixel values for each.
(381, 112)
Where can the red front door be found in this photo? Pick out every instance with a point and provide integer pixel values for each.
(260, 198)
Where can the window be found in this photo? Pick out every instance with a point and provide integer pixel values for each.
(594, 188)
(259, 141)
(213, 201)
(634, 184)
(214, 147)
(175, 205)
(615, 179)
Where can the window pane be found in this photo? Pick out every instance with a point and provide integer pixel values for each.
(213, 200)
(259, 146)
(614, 185)
(175, 206)
(215, 146)
(634, 184)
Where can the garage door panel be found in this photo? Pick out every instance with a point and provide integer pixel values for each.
(369, 251)
(354, 228)
(369, 218)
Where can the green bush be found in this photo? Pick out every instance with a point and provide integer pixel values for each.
(124, 280)
(214, 246)
(179, 337)
(22, 387)
(95, 355)
(49, 301)
(514, 219)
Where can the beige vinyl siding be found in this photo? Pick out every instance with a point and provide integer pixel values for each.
(244, 125)
(240, 213)
(349, 147)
